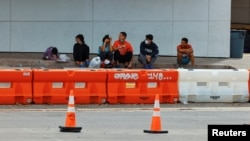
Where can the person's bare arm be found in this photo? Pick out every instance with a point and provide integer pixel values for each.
(131, 62)
(104, 45)
(102, 48)
(179, 50)
(190, 50)
(117, 48)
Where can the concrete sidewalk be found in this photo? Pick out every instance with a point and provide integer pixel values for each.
(34, 60)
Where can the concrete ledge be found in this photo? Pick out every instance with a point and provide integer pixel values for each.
(34, 60)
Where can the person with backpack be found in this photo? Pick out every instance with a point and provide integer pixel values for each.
(51, 53)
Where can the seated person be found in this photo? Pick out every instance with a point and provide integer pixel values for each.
(123, 51)
(51, 53)
(105, 51)
(185, 53)
(148, 52)
(81, 52)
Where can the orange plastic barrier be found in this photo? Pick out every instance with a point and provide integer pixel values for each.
(53, 86)
(141, 86)
(15, 86)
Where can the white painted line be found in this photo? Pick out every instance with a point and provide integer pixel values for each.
(132, 109)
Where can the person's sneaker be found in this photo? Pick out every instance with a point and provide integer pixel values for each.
(180, 66)
(86, 63)
(117, 66)
(82, 66)
(150, 67)
(146, 67)
(191, 67)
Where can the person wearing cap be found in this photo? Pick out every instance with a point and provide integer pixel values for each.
(148, 52)
(123, 51)
(105, 51)
(51, 53)
(81, 51)
(185, 53)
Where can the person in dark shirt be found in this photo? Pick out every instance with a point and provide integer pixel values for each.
(81, 51)
(148, 52)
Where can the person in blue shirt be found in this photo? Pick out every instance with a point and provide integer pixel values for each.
(105, 51)
(148, 52)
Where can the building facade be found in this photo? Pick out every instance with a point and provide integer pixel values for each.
(33, 25)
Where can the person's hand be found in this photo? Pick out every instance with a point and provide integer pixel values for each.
(130, 65)
(148, 58)
(121, 47)
(53, 57)
(77, 63)
(106, 41)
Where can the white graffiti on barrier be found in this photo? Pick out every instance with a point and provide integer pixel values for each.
(126, 76)
(155, 76)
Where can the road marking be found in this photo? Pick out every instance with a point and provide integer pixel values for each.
(131, 109)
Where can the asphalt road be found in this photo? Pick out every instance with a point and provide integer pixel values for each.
(105, 123)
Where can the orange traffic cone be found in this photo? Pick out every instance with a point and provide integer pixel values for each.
(156, 119)
(70, 123)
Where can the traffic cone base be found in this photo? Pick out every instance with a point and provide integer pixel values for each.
(70, 129)
(155, 132)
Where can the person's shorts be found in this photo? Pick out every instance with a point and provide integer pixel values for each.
(185, 60)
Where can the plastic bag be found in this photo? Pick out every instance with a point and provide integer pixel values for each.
(95, 62)
(64, 58)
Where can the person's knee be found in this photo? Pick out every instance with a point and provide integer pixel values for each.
(140, 58)
(179, 55)
(191, 55)
(110, 52)
(130, 53)
(153, 59)
(116, 52)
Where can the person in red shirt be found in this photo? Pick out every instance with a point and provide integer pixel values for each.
(185, 53)
(123, 51)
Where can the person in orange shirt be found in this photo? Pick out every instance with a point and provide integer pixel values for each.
(123, 51)
(185, 53)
